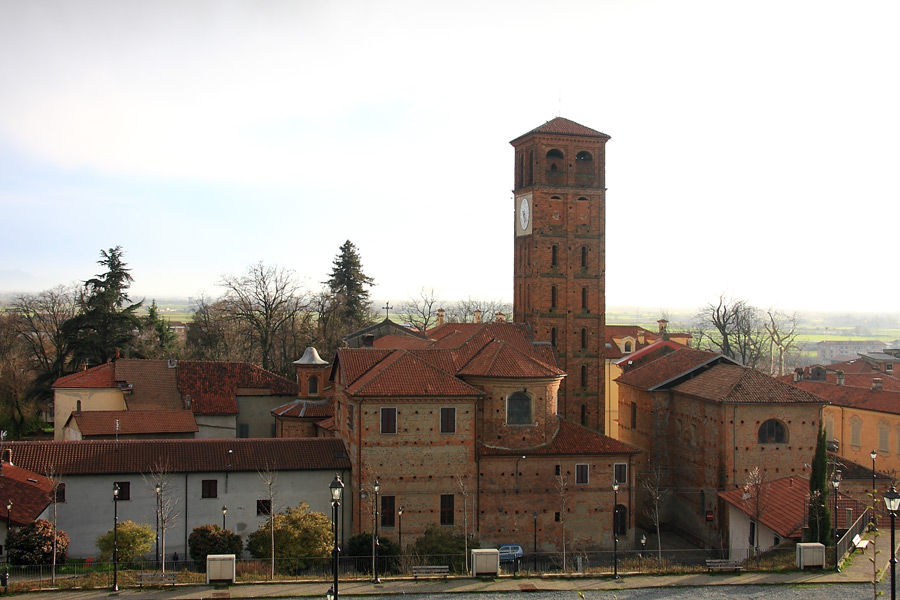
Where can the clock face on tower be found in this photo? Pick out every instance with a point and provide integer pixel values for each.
(523, 213)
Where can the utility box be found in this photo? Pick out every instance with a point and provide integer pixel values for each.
(810, 554)
(220, 568)
(485, 561)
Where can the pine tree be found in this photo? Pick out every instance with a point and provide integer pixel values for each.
(819, 515)
(106, 323)
(348, 287)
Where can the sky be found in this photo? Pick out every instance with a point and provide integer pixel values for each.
(754, 143)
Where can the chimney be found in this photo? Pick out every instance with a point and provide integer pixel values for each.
(500, 317)
(7, 456)
(477, 315)
(641, 338)
(663, 323)
(840, 378)
(440, 318)
(876, 383)
(368, 340)
(798, 374)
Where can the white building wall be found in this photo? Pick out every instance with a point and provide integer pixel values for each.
(88, 511)
(739, 535)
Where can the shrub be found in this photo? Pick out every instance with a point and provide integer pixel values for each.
(33, 544)
(212, 539)
(133, 540)
(299, 533)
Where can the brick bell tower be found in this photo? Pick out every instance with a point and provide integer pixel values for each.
(560, 256)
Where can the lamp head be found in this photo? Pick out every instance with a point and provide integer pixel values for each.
(9, 505)
(337, 488)
(892, 500)
(616, 486)
(115, 491)
(400, 511)
(377, 486)
(873, 454)
(643, 539)
(224, 509)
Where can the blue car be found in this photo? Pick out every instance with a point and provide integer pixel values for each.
(510, 552)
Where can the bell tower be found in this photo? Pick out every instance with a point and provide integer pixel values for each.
(560, 256)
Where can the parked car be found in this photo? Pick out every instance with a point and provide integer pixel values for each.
(510, 552)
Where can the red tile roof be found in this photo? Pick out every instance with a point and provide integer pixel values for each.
(570, 439)
(858, 397)
(500, 359)
(563, 126)
(212, 386)
(655, 372)
(403, 374)
(102, 376)
(733, 384)
(181, 456)
(302, 408)
(133, 422)
(30, 492)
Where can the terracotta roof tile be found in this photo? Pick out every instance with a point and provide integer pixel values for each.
(29, 491)
(885, 401)
(181, 456)
(302, 408)
(212, 386)
(570, 439)
(563, 126)
(403, 374)
(102, 376)
(134, 422)
(734, 384)
(657, 371)
(500, 359)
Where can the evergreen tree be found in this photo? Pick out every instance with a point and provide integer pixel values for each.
(155, 339)
(107, 321)
(819, 515)
(348, 287)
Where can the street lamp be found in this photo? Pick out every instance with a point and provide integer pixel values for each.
(224, 512)
(874, 455)
(643, 545)
(115, 537)
(377, 488)
(535, 516)
(337, 490)
(615, 530)
(158, 489)
(400, 529)
(836, 482)
(8, 527)
(892, 503)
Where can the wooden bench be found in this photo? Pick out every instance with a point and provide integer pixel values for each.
(724, 564)
(431, 570)
(156, 578)
(859, 543)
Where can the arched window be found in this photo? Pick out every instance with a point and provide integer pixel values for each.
(628, 347)
(772, 431)
(584, 415)
(554, 255)
(555, 153)
(583, 338)
(584, 254)
(518, 409)
(884, 434)
(552, 297)
(529, 178)
(584, 376)
(584, 298)
(855, 431)
(553, 336)
(313, 386)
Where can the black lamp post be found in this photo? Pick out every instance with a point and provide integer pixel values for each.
(377, 488)
(874, 455)
(400, 529)
(8, 527)
(337, 490)
(534, 516)
(615, 530)
(643, 545)
(836, 482)
(158, 489)
(115, 537)
(224, 512)
(892, 503)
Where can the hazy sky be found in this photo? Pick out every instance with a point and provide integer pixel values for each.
(754, 145)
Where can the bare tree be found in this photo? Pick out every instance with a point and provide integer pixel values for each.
(654, 486)
(464, 490)
(464, 310)
(269, 479)
(56, 490)
(733, 328)
(160, 481)
(421, 312)
(562, 490)
(782, 336)
(264, 300)
(753, 500)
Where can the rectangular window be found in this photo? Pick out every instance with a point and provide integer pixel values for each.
(124, 489)
(209, 488)
(634, 415)
(518, 409)
(60, 492)
(556, 470)
(447, 509)
(272, 431)
(620, 472)
(387, 511)
(263, 507)
(243, 430)
(581, 474)
(389, 420)
(448, 420)
(350, 414)
(752, 537)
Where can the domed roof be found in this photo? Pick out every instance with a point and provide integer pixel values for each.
(310, 357)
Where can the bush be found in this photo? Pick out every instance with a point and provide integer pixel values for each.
(212, 539)
(133, 541)
(299, 533)
(360, 546)
(33, 544)
(442, 546)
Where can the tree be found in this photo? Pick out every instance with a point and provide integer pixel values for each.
(212, 539)
(264, 302)
(736, 330)
(819, 514)
(653, 485)
(133, 540)
(33, 544)
(159, 479)
(348, 286)
(782, 335)
(562, 490)
(106, 322)
(440, 546)
(464, 310)
(17, 414)
(754, 503)
(421, 312)
(155, 339)
(360, 547)
(299, 534)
